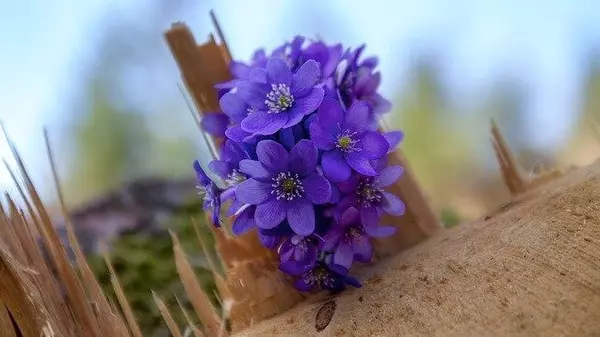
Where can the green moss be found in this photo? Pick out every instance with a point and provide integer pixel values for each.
(449, 218)
(144, 263)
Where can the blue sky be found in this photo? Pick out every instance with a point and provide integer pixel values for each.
(44, 42)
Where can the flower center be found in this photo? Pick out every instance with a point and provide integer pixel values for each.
(235, 177)
(346, 142)
(287, 185)
(353, 233)
(207, 193)
(367, 194)
(280, 98)
(319, 275)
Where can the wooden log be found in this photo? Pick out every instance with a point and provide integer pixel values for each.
(530, 269)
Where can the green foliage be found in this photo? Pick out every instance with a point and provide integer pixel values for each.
(436, 142)
(145, 263)
(449, 218)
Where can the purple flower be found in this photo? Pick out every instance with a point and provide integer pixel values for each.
(243, 72)
(368, 196)
(244, 220)
(330, 277)
(210, 193)
(327, 57)
(346, 139)
(215, 124)
(298, 254)
(351, 240)
(228, 166)
(284, 185)
(357, 81)
(283, 100)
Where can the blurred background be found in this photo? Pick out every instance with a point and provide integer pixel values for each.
(98, 75)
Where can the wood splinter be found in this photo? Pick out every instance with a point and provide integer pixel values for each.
(511, 172)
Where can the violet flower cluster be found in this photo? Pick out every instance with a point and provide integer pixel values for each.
(303, 161)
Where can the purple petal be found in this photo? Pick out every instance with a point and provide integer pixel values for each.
(357, 117)
(229, 84)
(236, 133)
(254, 169)
(268, 241)
(293, 268)
(286, 250)
(269, 215)
(304, 284)
(394, 138)
(332, 238)
(253, 192)
(301, 216)
(215, 124)
(233, 106)
(233, 152)
(373, 145)
(201, 176)
(362, 248)
(335, 53)
(330, 113)
(335, 167)
(350, 185)
(316, 188)
(286, 138)
(388, 176)
(243, 222)
(264, 123)
(235, 205)
(380, 104)
(279, 72)
(324, 140)
(350, 216)
(303, 157)
(335, 194)
(346, 202)
(363, 77)
(239, 69)
(376, 231)
(306, 77)
(360, 164)
(369, 217)
(258, 75)
(272, 155)
(370, 62)
(221, 168)
(304, 106)
(392, 204)
(343, 255)
(254, 94)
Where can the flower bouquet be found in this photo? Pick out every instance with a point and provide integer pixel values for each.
(304, 162)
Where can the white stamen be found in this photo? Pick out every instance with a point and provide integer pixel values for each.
(280, 98)
(287, 185)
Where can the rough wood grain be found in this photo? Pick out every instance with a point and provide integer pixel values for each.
(531, 268)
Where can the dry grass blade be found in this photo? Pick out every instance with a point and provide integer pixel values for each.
(166, 315)
(20, 296)
(215, 22)
(209, 257)
(200, 301)
(82, 310)
(508, 164)
(191, 325)
(6, 324)
(123, 302)
(109, 322)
